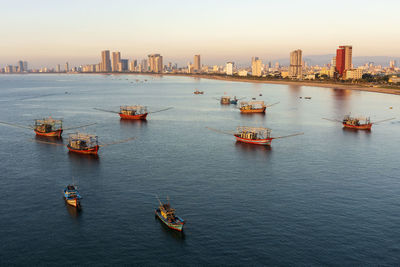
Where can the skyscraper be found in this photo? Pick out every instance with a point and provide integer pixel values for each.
(20, 66)
(58, 68)
(105, 61)
(66, 67)
(229, 68)
(344, 59)
(296, 64)
(25, 65)
(196, 65)
(256, 66)
(156, 63)
(116, 59)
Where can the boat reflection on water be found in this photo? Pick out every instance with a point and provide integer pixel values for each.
(83, 158)
(255, 150)
(177, 235)
(255, 115)
(49, 139)
(132, 123)
(350, 131)
(73, 211)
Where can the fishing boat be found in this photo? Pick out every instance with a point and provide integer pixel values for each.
(359, 123)
(197, 92)
(167, 215)
(234, 100)
(225, 100)
(48, 127)
(133, 112)
(253, 135)
(72, 196)
(83, 143)
(252, 107)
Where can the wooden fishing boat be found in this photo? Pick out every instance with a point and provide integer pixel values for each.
(225, 100)
(133, 112)
(83, 143)
(253, 135)
(358, 123)
(252, 107)
(197, 92)
(167, 215)
(234, 100)
(72, 196)
(48, 127)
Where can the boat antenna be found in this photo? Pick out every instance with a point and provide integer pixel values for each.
(159, 200)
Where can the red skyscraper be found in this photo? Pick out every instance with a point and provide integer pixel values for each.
(340, 59)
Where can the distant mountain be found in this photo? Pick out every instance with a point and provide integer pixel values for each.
(357, 61)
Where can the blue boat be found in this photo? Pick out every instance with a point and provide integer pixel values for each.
(167, 215)
(234, 101)
(72, 196)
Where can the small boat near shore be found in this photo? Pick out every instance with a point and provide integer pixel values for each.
(72, 196)
(254, 106)
(167, 215)
(197, 92)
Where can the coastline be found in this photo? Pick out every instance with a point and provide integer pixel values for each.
(340, 86)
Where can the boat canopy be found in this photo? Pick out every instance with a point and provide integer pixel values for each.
(261, 133)
(360, 119)
(56, 124)
(78, 139)
(254, 104)
(134, 109)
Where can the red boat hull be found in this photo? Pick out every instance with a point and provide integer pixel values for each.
(133, 117)
(262, 142)
(359, 127)
(257, 110)
(92, 151)
(50, 134)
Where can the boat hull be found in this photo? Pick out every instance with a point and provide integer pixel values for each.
(133, 117)
(173, 226)
(359, 127)
(91, 151)
(261, 142)
(57, 133)
(256, 110)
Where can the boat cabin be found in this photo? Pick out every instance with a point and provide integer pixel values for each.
(81, 141)
(253, 133)
(47, 125)
(356, 121)
(225, 99)
(133, 110)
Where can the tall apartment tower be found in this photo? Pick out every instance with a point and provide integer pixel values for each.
(196, 65)
(296, 64)
(155, 63)
(66, 67)
(105, 65)
(256, 64)
(116, 59)
(344, 55)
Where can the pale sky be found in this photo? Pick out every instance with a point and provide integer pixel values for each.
(46, 32)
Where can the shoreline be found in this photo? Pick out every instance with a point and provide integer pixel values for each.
(247, 80)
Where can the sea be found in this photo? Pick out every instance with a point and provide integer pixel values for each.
(329, 197)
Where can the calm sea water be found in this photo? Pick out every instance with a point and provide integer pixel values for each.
(328, 197)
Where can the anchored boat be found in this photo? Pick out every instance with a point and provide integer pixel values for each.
(253, 135)
(357, 123)
(133, 112)
(48, 127)
(252, 107)
(83, 143)
(225, 100)
(197, 92)
(167, 215)
(72, 196)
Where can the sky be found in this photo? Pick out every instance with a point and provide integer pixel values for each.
(47, 32)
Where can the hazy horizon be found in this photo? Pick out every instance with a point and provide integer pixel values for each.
(46, 33)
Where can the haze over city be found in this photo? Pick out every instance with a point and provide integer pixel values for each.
(46, 33)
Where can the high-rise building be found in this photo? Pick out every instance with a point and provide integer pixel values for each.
(392, 64)
(25, 65)
(58, 68)
(344, 59)
(66, 67)
(256, 66)
(196, 65)
(296, 64)
(105, 61)
(20, 66)
(333, 68)
(156, 63)
(116, 59)
(229, 68)
(123, 65)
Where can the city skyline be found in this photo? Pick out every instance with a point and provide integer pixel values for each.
(46, 33)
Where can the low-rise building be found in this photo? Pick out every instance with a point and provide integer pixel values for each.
(354, 74)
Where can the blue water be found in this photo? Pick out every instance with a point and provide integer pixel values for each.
(328, 197)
